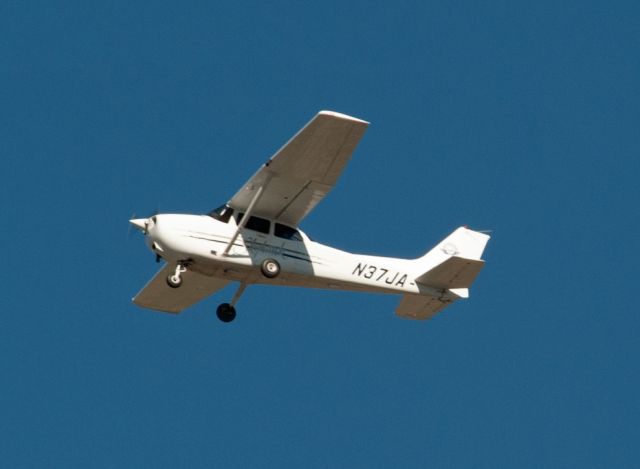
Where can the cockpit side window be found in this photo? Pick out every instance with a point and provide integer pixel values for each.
(222, 213)
(286, 232)
(261, 225)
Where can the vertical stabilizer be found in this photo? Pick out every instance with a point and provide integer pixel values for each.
(463, 242)
(445, 274)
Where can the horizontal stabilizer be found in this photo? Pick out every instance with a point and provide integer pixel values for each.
(420, 307)
(455, 272)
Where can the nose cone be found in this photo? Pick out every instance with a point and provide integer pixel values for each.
(140, 223)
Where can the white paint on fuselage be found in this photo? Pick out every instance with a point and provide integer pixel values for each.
(203, 239)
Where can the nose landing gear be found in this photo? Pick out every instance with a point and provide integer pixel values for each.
(175, 280)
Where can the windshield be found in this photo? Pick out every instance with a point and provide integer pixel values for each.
(222, 213)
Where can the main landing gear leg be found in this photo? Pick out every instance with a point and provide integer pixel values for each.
(175, 280)
(226, 312)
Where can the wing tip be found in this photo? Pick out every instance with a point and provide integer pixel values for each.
(342, 116)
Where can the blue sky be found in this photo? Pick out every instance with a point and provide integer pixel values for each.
(511, 116)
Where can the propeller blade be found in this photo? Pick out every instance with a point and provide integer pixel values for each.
(130, 229)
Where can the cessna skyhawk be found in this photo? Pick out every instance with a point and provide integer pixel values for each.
(255, 238)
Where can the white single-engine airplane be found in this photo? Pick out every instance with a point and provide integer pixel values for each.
(254, 238)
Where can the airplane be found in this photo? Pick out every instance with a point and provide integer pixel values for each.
(255, 238)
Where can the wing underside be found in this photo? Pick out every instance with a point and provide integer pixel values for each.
(304, 170)
(159, 296)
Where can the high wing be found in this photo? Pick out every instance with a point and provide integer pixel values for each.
(159, 296)
(303, 171)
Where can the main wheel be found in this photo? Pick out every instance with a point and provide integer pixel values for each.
(270, 268)
(226, 312)
(174, 281)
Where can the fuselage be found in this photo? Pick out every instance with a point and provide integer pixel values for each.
(202, 241)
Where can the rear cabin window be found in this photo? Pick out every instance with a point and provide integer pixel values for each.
(222, 213)
(258, 224)
(286, 232)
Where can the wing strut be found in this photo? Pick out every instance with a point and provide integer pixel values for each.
(246, 216)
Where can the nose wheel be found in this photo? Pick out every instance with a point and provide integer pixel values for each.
(175, 280)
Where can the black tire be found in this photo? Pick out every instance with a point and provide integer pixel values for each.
(172, 283)
(270, 268)
(226, 312)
